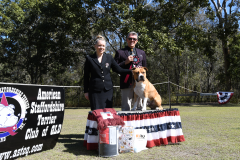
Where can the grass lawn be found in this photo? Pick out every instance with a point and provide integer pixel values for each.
(211, 132)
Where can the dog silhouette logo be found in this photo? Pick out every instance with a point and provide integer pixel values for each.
(9, 121)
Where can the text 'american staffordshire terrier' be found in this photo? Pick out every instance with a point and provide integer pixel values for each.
(144, 90)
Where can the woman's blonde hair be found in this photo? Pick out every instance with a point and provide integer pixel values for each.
(99, 38)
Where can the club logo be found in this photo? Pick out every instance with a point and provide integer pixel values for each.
(140, 136)
(12, 111)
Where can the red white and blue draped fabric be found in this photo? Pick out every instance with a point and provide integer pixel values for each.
(91, 133)
(162, 127)
(224, 97)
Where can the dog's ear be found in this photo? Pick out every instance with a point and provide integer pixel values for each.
(145, 68)
(133, 68)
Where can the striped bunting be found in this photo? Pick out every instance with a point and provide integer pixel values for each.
(162, 127)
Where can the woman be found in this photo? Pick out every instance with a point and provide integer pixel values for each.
(98, 87)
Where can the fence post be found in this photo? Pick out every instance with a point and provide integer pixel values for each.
(114, 99)
(79, 96)
(169, 93)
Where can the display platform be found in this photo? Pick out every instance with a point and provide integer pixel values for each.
(162, 127)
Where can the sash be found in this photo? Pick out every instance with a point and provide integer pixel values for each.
(135, 62)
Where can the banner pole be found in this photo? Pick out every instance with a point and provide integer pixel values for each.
(169, 93)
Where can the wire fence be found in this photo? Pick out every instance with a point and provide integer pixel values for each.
(170, 92)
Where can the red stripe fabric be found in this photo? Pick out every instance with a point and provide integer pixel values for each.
(134, 117)
(91, 117)
(165, 141)
(157, 142)
(92, 146)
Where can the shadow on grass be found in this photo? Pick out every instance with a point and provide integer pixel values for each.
(236, 128)
(74, 145)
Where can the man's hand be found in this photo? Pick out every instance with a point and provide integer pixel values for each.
(130, 59)
(86, 96)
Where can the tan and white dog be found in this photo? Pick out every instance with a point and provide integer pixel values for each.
(144, 90)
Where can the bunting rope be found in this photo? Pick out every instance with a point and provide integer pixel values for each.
(183, 87)
(223, 97)
(113, 86)
(159, 83)
(153, 84)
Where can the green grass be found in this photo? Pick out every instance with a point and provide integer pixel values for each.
(211, 132)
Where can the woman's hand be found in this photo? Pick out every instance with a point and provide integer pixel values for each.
(86, 96)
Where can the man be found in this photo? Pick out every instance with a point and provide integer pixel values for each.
(128, 58)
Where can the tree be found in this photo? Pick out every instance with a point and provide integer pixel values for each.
(44, 36)
(226, 26)
(234, 48)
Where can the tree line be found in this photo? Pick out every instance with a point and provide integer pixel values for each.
(193, 43)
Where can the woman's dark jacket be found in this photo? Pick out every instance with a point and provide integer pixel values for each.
(97, 75)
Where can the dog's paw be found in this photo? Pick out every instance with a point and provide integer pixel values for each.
(133, 109)
(159, 108)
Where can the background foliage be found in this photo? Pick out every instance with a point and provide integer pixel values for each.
(193, 43)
